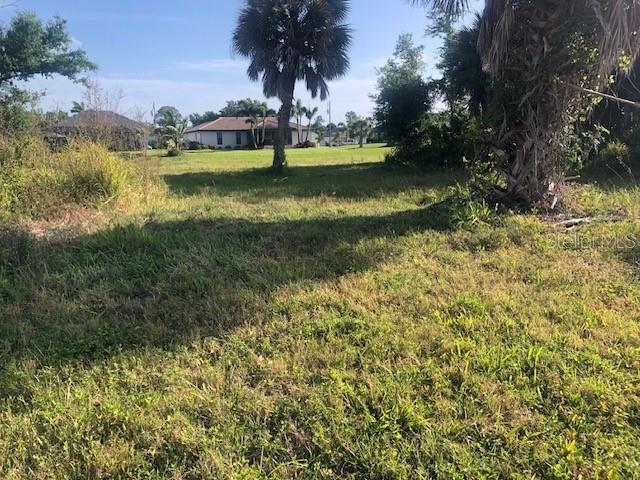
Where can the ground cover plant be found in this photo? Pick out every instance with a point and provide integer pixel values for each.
(328, 323)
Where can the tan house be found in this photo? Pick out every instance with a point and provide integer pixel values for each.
(235, 132)
(116, 131)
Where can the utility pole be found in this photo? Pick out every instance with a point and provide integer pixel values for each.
(330, 125)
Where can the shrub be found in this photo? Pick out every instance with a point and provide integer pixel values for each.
(174, 152)
(442, 141)
(36, 182)
(614, 154)
(195, 146)
(306, 144)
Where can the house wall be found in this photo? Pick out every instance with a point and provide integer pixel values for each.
(211, 139)
(229, 138)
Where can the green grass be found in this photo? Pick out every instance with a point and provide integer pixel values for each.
(322, 324)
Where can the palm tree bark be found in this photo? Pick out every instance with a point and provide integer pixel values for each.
(279, 156)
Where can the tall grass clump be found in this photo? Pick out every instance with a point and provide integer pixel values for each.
(38, 182)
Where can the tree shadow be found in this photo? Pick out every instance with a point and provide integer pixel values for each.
(341, 181)
(164, 284)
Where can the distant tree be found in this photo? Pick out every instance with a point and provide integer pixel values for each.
(264, 114)
(310, 113)
(299, 111)
(199, 119)
(403, 96)
(252, 121)
(243, 108)
(361, 128)
(166, 116)
(17, 110)
(291, 40)
(170, 125)
(78, 107)
(175, 134)
(319, 128)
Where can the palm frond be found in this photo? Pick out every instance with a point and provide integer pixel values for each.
(451, 8)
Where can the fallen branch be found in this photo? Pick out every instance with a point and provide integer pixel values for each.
(575, 222)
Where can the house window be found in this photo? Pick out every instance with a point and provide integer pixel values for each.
(219, 138)
(238, 138)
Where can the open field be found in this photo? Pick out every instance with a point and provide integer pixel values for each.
(323, 324)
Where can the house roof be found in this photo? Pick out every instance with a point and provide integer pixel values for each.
(91, 118)
(234, 124)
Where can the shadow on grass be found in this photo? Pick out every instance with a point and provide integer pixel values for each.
(342, 181)
(163, 284)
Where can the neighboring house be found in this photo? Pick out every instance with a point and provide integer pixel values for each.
(116, 131)
(235, 132)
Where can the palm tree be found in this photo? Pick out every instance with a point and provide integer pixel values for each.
(299, 111)
(175, 133)
(310, 113)
(546, 57)
(253, 121)
(343, 132)
(78, 107)
(266, 113)
(361, 128)
(291, 40)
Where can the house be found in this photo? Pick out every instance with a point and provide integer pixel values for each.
(116, 131)
(235, 132)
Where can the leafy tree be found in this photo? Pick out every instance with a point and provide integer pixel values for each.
(291, 40)
(166, 116)
(547, 59)
(403, 97)
(243, 108)
(199, 119)
(17, 110)
(29, 48)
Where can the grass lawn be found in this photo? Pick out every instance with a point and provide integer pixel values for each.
(324, 324)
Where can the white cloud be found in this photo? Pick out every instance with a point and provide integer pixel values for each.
(190, 96)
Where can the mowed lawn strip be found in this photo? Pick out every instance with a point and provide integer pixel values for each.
(325, 323)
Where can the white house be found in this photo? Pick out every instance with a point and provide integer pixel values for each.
(235, 132)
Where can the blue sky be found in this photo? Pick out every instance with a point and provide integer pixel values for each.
(179, 53)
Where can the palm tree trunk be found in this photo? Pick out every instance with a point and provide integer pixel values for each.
(279, 156)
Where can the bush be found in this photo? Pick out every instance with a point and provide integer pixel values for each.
(196, 146)
(615, 154)
(35, 181)
(174, 152)
(306, 144)
(442, 141)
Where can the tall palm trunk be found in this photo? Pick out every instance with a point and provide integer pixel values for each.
(279, 156)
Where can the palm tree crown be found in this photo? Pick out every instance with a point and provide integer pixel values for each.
(299, 39)
(293, 40)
